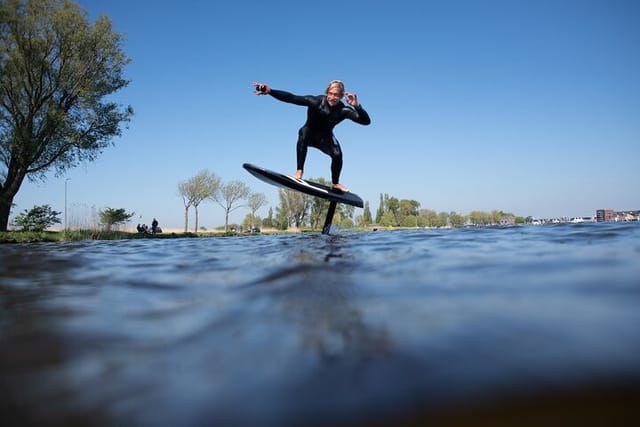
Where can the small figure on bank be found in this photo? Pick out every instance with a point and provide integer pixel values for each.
(154, 227)
(324, 112)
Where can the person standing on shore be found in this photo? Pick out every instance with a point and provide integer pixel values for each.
(324, 112)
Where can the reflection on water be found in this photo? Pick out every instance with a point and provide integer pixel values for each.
(309, 329)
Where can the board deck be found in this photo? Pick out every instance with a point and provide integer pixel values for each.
(307, 187)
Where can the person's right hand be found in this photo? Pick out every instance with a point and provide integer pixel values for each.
(261, 88)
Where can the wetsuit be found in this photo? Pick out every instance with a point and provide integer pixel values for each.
(318, 129)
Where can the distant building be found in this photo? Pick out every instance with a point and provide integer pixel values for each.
(603, 215)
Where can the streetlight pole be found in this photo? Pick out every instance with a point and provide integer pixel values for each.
(65, 203)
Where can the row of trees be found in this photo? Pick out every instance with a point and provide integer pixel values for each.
(207, 186)
(299, 210)
(295, 210)
(393, 212)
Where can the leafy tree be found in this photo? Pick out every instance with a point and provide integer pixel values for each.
(39, 218)
(366, 216)
(268, 221)
(393, 206)
(479, 218)
(110, 217)
(56, 71)
(443, 219)
(388, 219)
(281, 221)
(227, 195)
(498, 216)
(345, 215)
(409, 221)
(380, 210)
(255, 201)
(198, 188)
(430, 217)
(409, 208)
(318, 208)
(456, 220)
(294, 207)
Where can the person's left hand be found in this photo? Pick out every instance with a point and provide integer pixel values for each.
(352, 99)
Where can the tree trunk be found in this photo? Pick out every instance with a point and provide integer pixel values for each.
(186, 219)
(8, 191)
(195, 230)
(5, 208)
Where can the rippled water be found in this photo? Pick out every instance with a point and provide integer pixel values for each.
(314, 329)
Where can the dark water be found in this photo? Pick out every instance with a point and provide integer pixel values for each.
(353, 328)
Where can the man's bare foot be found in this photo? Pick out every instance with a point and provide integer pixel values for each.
(298, 174)
(340, 187)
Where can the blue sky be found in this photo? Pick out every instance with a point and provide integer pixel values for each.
(531, 107)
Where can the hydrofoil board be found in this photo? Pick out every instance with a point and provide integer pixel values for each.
(302, 185)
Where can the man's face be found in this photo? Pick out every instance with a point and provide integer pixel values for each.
(333, 96)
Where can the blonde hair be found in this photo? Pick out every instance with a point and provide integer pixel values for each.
(337, 83)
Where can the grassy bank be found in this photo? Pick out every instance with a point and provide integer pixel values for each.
(76, 235)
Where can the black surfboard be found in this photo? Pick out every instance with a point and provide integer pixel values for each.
(307, 187)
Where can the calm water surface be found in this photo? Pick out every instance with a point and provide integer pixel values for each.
(313, 329)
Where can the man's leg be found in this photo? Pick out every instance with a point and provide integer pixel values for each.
(301, 151)
(336, 165)
(332, 148)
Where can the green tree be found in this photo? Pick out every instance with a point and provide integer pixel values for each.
(497, 216)
(380, 210)
(198, 188)
(318, 207)
(409, 208)
(430, 217)
(477, 218)
(393, 206)
(456, 220)
(39, 218)
(294, 208)
(409, 221)
(56, 71)
(388, 219)
(281, 221)
(366, 216)
(255, 201)
(110, 217)
(268, 222)
(345, 213)
(443, 219)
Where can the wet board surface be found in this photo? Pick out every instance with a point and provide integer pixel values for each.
(307, 187)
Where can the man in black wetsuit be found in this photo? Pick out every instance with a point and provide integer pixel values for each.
(324, 112)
